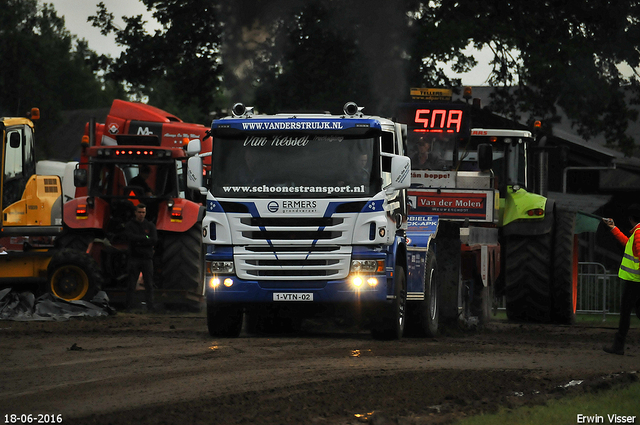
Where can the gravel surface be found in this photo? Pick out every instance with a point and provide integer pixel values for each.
(166, 369)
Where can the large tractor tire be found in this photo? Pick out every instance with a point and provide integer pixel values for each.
(183, 259)
(449, 272)
(224, 320)
(388, 323)
(528, 277)
(565, 268)
(423, 318)
(73, 275)
(112, 262)
(74, 239)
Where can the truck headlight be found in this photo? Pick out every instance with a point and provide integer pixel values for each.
(220, 267)
(358, 281)
(214, 282)
(367, 266)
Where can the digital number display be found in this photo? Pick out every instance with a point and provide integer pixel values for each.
(435, 117)
(438, 120)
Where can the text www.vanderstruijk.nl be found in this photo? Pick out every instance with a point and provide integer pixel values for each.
(295, 189)
(293, 125)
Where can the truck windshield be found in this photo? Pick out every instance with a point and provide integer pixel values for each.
(509, 158)
(436, 152)
(300, 166)
(512, 163)
(109, 179)
(431, 151)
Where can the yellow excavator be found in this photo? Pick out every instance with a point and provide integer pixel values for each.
(32, 211)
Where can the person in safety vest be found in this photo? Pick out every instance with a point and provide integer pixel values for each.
(629, 273)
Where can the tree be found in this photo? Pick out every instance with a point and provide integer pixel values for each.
(321, 54)
(178, 67)
(434, 40)
(551, 55)
(311, 64)
(41, 68)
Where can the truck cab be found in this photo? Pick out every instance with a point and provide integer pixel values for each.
(305, 212)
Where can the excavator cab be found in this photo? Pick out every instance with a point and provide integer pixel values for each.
(31, 219)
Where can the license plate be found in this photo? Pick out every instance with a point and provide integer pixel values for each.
(293, 296)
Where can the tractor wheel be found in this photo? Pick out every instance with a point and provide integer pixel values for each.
(183, 260)
(528, 277)
(449, 272)
(428, 310)
(565, 274)
(73, 275)
(224, 320)
(78, 240)
(390, 320)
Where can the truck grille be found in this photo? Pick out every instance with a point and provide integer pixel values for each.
(291, 229)
(291, 221)
(307, 231)
(290, 236)
(291, 263)
(292, 248)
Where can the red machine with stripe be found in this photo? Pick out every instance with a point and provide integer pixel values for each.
(138, 155)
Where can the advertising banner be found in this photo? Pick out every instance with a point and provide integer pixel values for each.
(459, 204)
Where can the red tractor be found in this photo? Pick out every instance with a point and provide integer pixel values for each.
(138, 155)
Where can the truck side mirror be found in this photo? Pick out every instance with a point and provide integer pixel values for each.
(194, 173)
(485, 156)
(400, 172)
(80, 177)
(194, 147)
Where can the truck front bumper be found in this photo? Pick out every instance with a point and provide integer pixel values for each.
(231, 289)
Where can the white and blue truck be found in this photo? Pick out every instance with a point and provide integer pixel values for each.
(319, 213)
(306, 213)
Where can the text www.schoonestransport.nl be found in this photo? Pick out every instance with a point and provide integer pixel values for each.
(295, 189)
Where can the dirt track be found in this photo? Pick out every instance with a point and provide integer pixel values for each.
(166, 369)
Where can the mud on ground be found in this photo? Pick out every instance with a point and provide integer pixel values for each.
(166, 369)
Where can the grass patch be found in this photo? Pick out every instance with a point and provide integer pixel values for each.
(623, 402)
(611, 320)
(589, 319)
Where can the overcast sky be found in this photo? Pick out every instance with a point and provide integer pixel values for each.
(76, 12)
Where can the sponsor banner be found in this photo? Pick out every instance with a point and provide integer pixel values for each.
(421, 93)
(430, 178)
(289, 124)
(420, 229)
(422, 223)
(316, 207)
(453, 205)
(305, 207)
(320, 190)
(309, 207)
(296, 206)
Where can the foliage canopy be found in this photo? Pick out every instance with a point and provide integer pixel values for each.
(548, 57)
(44, 66)
(179, 66)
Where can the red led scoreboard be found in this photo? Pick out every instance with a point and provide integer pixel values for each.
(446, 118)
